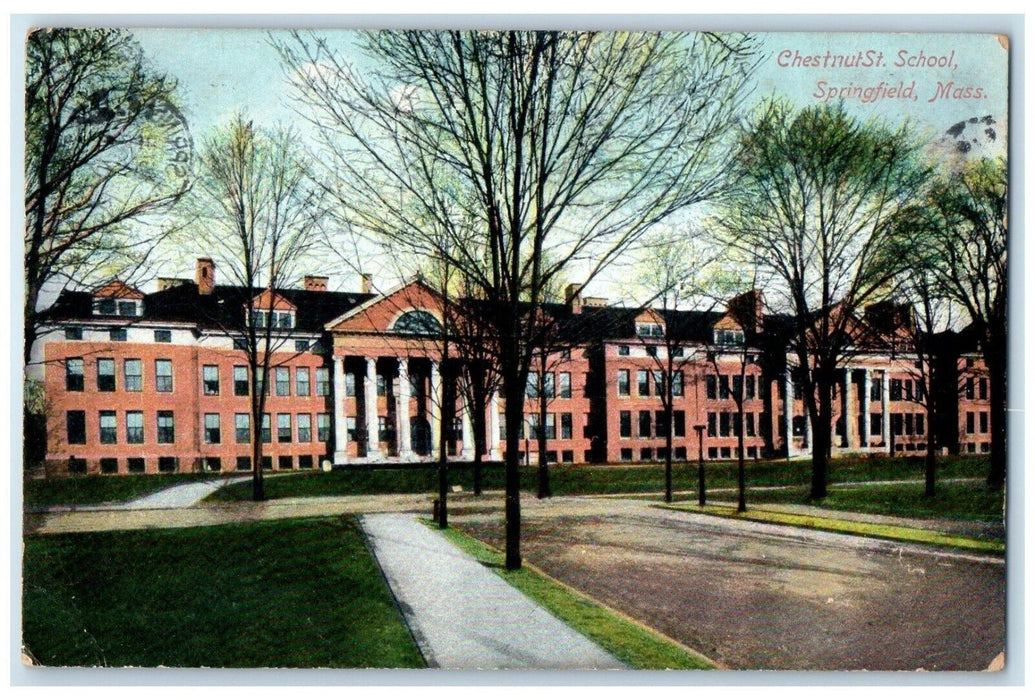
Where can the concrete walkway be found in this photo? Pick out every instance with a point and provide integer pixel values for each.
(181, 495)
(463, 615)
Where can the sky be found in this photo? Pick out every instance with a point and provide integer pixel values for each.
(933, 80)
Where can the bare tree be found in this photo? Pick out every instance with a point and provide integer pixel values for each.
(106, 151)
(964, 233)
(816, 192)
(533, 151)
(257, 210)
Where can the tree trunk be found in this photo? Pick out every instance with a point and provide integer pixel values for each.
(668, 451)
(995, 360)
(821, 439)
(513, 409)
(543, 490)
(741, 480)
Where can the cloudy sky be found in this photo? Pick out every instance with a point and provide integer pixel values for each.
(935, 80)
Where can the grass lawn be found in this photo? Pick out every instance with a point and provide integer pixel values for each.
(289, 593)
(633, 643)
(86, 490)
(572, 480)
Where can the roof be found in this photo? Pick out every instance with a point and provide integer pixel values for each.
(223, 308)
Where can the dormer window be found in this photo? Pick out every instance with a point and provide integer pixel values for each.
(279, 320)
(650, 330)
(725, 336)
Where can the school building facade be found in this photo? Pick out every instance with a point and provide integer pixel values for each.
(158, 382)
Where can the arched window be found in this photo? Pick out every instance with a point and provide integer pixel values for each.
(417, 322)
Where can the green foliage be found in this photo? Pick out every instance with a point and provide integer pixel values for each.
(289, 594)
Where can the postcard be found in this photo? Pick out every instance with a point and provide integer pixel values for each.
(509, 349)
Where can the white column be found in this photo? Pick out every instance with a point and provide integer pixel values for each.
(788, 411)
(402, 409)
(866, 409)
(435, 409)
(885, 423)
(370, 393)
(494, 427)
(341, 455)
(467, 428)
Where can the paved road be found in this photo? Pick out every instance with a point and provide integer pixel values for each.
(760, 596)
(462, 614)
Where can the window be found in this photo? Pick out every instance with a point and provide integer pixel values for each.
(548, 385)
(876, 424)
(382, 428)
(660, 424)
(677, 352)
(970, 422)
(749, 388)
(798, 426)
(677, 383)
(240, 380)
(282, 381)
(301, 381)
(305, 427)
(876, 387)
(127, 308)
(73, 333)
(163, 336)
(135, 427)
(323, 427)
(168, 464)
(646, 454)
(260, 381)
(75, 424)
(133, 375)
(749, 425)
(724, 424)
(212, 428)
(242, 428)
(135, 465)
(350, 384)
(724, 386)
(679, 423)
(551, 426)
(625, 424)
(351, 432)
(212, 464)
(163, 375)
(566, 426)
(623, 350)
(241, 344)
(895, 392)
(74, 374)
(301, 345)
(381, 383)
(105, 306)
(417, 322)
(267, 433)
(659, 382)
(210, 379)
(712, 424)
(109, 428)
(983, 389)
(244, 464)
(323, 382)
(983, 422)
(968, 388)
(644, 425)
(627, 454)
(564, 385)
(738, 386)
(166, 427)
(896, 423)
(305, 461)
(76, 465)
(728, 337)
(711, 383)
(919, 424)
(117, 335)
(642, 382)
(532, 386)
(650, 330)
(285, 462)
(105, 374)
(909, 423)
(623, 382)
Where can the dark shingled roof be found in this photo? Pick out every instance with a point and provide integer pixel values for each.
(223, 308)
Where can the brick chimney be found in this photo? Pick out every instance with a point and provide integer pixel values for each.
(315, 283)
(367, 282)
(747, 309)
(573, 298)
(205, 275)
